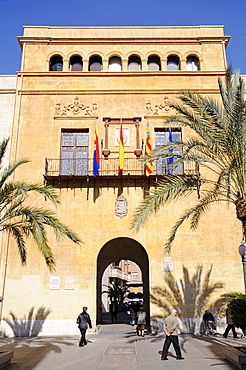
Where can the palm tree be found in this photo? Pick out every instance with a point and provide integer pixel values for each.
(116, 292)
(217, 150)
(21, 220)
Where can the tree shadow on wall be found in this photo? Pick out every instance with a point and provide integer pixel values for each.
(190, 295)
(31, 325)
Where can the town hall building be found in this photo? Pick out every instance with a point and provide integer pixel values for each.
(78, 82)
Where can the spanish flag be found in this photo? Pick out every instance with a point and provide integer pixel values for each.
(121, 151)
(96, 158)
(148, 148)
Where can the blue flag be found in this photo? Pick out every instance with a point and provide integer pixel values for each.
(170, 159)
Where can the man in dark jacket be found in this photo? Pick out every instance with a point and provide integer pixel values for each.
(209, 322)
(83, 321)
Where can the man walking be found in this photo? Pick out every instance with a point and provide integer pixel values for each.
(171, 330)
(230, 325)
(84, 321)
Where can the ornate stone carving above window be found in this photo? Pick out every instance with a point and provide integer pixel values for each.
(75, 109)
(155, 110)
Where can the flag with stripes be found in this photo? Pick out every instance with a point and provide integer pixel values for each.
(121, 151)
(148, 148)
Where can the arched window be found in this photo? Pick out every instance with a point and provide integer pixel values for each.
(154, 63)
(173, 63)
(114, 64)
(95, 63)
(192, 63)
(76, 63)
(134, 63)
(56, 63)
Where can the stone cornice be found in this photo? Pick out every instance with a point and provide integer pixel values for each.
(124, 74)
(7, 91)
(115, 92)
(126, 40)
(77, 118)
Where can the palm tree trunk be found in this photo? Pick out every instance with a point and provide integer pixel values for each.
(241, 213)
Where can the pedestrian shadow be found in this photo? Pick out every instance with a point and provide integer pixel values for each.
(169, 354)
(29, 326)
(214, 344)
(216, 347)
(151, 338)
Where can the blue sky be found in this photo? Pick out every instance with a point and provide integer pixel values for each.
(14, 14)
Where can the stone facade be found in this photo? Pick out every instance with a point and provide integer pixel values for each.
(7, 106)
(53, 106)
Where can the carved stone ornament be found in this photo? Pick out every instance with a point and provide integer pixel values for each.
(76, 108)
(121, 206)
(157, 108)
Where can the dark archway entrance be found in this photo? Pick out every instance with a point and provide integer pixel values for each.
(118, 249)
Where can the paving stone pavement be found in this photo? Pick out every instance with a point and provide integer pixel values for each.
(116, 347)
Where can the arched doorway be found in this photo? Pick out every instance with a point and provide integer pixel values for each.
(119, 249)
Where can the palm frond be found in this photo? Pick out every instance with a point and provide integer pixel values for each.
(233, 295)
(24, 189)
(168, 189)
(20, 240)
(3, 148)
(217, 146)
(24, 221)
(6, 173)
(196, 212)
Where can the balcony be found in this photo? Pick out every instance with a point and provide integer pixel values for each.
(116, 273)
(134, 167)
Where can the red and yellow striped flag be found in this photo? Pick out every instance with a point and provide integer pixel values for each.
(121, 151)
(148, 148)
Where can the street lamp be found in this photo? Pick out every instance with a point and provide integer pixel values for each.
(242, 252)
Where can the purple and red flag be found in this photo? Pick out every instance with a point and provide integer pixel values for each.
(96, 158)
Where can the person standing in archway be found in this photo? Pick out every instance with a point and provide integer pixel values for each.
(141, 322)
(83, 320)
(114, 311)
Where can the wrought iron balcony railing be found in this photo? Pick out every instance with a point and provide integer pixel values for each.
(109, 167)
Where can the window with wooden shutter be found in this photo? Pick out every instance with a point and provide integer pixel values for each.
(74, 153)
